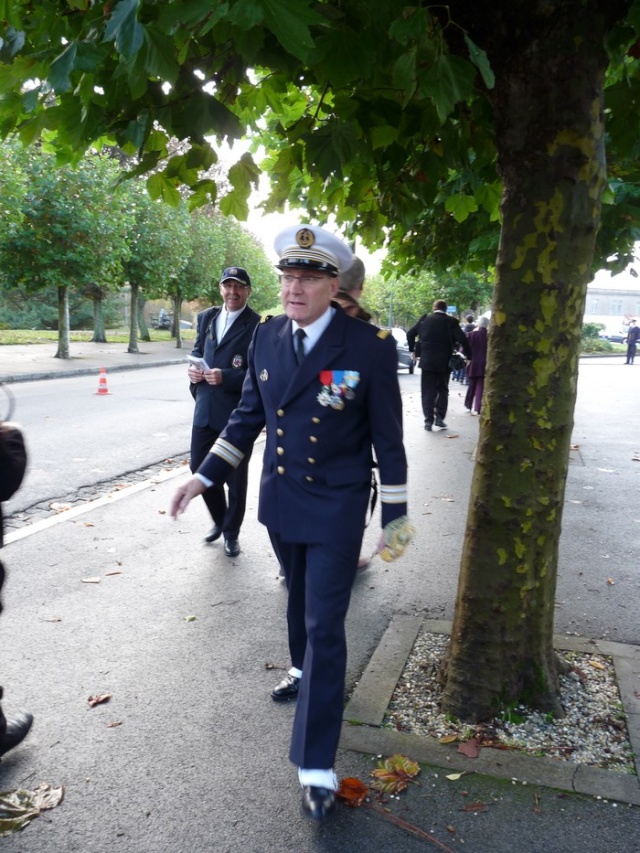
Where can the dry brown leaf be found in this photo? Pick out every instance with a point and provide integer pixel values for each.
(90, 580)
(475, 807)
(114, 725)
(89, 524)
(114, 572)
(162, 512)
(394, 774)
(98, 700)
(470, 748)
(597, 664)
(454, 435)
(59, 507)
(451, 829)
(574, 447)
(352, 791)
(448, 739)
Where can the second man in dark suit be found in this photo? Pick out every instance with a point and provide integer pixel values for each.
(224, 335)
(433, 339)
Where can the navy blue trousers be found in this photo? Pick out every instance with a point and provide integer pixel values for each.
(319, 579)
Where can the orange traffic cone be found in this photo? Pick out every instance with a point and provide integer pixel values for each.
(102, 383)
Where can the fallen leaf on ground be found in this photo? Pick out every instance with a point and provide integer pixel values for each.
(394, 774)
(20, 807)
(470, 748)
(475, 807)
(190, 618)
(635, 457)
(114, 725)
(454, 435)
(448, 739)
(455, 776)
(114, 572)
(352, 791)
(610, 581)
(574, 447)
(90, 580)
(98, 700)
(597, 664)
(89, 524)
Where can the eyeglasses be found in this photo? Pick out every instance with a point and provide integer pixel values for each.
(233, 285)
(305, 279)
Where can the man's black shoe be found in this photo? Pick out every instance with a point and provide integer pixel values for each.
(213, 534)
(428, 426)
(17, 730)
(318, 802)
(231, 547)
(440, 423)
(287, 689)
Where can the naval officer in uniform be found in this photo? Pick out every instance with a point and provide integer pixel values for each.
(326, 387)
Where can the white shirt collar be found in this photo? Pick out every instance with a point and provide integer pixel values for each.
(315, 329)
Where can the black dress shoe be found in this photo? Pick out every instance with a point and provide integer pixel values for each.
(287, 689)
(318, 802)
(213, 534)
(428, 426)
(440, 423)
(231, 547)
(17, 730)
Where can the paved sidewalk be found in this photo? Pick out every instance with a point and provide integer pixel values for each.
(196, 760)
(29, 362)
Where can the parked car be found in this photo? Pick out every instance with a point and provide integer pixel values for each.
(405, 358)
(613, 337)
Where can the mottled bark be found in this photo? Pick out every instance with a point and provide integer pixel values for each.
(63, 322)
(548, 105)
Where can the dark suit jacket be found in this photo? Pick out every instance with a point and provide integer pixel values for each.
(433, 338)
(13, 463)
(214, 403)
(318, 458)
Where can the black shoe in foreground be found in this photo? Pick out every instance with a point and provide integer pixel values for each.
(231, 547)
(428, 426)
(317, 802)
(213, 534)
(287, 689)
(440, 423)
(17, 730)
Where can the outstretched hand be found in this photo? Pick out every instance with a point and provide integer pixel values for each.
(180, 501)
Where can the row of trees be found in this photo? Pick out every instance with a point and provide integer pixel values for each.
(79, 230)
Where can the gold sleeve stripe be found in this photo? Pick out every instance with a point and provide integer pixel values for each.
(227, 452)
(394, 494)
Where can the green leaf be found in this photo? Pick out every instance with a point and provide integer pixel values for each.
(159, 58)
(11, 42)
(61, 68)
(404, 74)
(289, 20)
(234, 204)
(481, 61)
(383, 136)
(488, 196)
(159, 187)
(461, 206)
(448, 81)
(124, 29)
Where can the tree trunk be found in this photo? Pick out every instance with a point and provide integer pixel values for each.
(177, 312)
(99, 332)
(133, 319)
(549, 111)
(142, 323)
(63, 322)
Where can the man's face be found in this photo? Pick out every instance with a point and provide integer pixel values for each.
(306, 294)
(234, 294)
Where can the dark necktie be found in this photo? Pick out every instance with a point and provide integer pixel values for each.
(300, 335)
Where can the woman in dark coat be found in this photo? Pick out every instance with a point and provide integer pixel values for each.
(477, 366)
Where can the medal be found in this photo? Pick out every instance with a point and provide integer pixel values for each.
(236, 361)
(264, 375)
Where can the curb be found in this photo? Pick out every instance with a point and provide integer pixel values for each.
(365, 711)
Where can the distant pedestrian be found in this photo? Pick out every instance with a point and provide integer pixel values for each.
(477, 366)
(433, 339)
(633, 335)
(350, 292)
(222, 341)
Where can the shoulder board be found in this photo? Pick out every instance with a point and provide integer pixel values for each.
(383, 333)
(266, 317)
